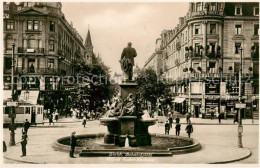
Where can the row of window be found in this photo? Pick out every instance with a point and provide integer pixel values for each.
(32, 25)
(31, 64)
(238, 8)
(31, 43)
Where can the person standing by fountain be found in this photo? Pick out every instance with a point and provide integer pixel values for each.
(178, 129)
(72, 144)
(177, 119)
(170, 120)
(167, 128)
(189, 129)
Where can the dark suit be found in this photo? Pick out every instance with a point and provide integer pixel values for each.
(26, 126)
(129, 53)
(72, 145)
(24, 143)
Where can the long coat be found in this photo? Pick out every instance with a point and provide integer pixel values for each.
(72, 141)
(129, 53)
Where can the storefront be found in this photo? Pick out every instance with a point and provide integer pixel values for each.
(212, 105)
(196, 107)
(180, 105)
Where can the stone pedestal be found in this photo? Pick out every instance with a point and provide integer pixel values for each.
(122, 140)
(109, 138)
(127, 125)
(127, 88)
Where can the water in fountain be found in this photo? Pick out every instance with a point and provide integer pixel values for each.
(126, 142)
(146, 115)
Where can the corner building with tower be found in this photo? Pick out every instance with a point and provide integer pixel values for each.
(200, 58)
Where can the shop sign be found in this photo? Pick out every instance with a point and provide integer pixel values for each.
(12, 104)
(240, 105)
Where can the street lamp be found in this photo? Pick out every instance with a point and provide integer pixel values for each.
(240, 127)
(12, 126)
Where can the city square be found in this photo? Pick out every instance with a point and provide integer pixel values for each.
(140, 87)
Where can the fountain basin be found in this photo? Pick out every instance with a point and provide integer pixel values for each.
(162, 145)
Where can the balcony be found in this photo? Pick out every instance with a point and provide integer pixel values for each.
(60, 52)
(21, 50)
(206, 13)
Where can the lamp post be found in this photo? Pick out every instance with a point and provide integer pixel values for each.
(12, 114)
(240, 127)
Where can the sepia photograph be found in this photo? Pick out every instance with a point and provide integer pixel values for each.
(130, 83)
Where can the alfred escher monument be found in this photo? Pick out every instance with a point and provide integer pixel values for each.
(127, 127)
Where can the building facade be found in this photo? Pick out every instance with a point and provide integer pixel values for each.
(155, 60)
(201, 58)
(47, 50)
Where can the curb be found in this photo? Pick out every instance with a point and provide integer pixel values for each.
(249, 153)
(22, 161)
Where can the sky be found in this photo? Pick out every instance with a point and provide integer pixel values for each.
(113, 24)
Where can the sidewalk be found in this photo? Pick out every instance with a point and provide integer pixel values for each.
(196, 121)
(215, 147)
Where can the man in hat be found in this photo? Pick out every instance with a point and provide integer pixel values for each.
(72, 144)
(167, 128)
(26, 125)
(127, 60)
(24, 143)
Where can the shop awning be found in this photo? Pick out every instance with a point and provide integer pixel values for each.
(179, 100)
(29, 96)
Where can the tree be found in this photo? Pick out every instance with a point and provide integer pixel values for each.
(98, 87)
(151, 87)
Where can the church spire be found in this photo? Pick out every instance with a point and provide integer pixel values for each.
(88, 41)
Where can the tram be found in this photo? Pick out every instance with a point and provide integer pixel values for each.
(33, 113)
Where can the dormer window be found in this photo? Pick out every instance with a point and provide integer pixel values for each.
(256, 11)
(198, 6)
(213, 6)
(238, 10)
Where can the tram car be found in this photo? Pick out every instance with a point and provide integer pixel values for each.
(33, 113)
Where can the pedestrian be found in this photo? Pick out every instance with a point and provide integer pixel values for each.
(4, 147)
(51, 119)
(178, 129)
(177, 119)
(189, 129)
(167, 128)
(235, 118)
(56, 115)
(188, 118)
(212, 115)
(170, 120)
(84, 121)
(24, 143)
(93, 115)
(219, 118)
(72, 144)
(26, 125)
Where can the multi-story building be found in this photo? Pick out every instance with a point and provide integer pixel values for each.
(47, 48)
(201, 58)
(154, 61)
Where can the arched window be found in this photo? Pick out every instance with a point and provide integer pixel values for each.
(51, 44)
(31, 44)
(9, 42)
